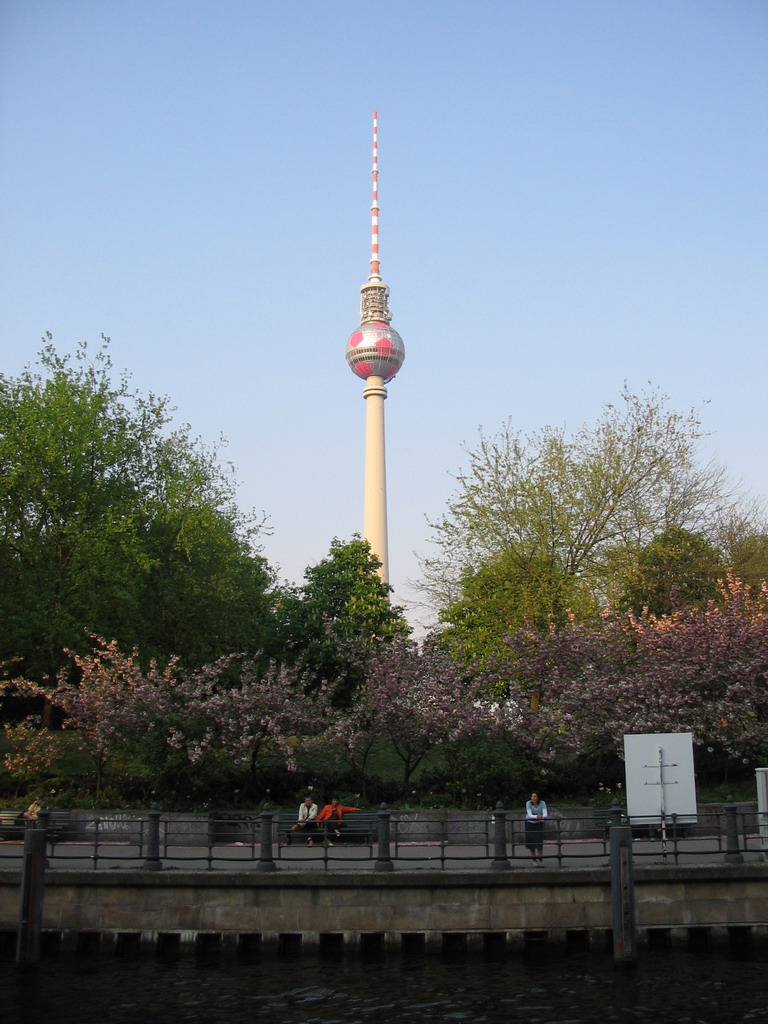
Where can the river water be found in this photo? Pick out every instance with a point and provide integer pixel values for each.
(548, 986)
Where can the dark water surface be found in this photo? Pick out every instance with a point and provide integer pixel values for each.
(551, 987)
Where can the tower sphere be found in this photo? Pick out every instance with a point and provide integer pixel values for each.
(375, 350)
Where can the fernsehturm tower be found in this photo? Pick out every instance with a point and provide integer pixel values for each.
(375, 352)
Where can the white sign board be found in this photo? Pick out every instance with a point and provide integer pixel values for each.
(659, 777)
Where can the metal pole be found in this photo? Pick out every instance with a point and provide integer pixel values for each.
(500, 860)
(384, 851)
(623, 896)
(662, 808)
(761, 781)
(674, 836)
(733, 854)
(266, 859)
(153, 862)
(43, 819)
(32, 891)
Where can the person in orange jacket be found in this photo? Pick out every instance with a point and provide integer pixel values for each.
(333, 814)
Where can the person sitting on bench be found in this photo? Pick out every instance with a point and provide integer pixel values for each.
(34, 809)
(307, 823)
(332, 815)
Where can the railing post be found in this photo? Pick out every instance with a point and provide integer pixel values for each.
(32, 891)
(210, 836)
(733, 854)
(266, 860)
(97, 839)
(43, 822)
(153, 862)
(674, 836)
(500, 860)
(384, 851)
(616, 814)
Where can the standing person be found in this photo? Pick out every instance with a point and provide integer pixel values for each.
(535, 815)
(333, 814)
(307, 819)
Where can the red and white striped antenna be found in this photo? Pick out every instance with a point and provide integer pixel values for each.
(375, 276)
(374, 293)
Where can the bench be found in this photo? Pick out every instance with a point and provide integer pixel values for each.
(359, 827)
(13, 824)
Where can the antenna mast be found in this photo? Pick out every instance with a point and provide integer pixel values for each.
(374, 307)
(375, 276)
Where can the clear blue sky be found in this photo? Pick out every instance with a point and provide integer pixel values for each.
(572, 194)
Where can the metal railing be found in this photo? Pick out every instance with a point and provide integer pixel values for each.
(153, 840)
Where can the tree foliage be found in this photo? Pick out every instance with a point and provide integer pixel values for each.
(112, 701)
(33, 751)
(233, 712)
(413, 697)
(748, 557)
(677, 569)
(501, 594)
(342, 606)
(552, 523)
(112, 522)
(702, 670)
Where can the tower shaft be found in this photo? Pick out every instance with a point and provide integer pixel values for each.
(375, 483)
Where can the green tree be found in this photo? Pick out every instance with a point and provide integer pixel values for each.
(677, 569)
(748, 557)
(342, 604)
(579, 508)
(499, 597)
(112, 522)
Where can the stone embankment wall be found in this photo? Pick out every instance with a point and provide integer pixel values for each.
(392, 906)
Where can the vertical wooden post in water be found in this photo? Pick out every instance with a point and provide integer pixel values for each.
(623, 896)
(32, 891)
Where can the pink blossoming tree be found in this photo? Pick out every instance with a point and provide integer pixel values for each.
(413, 697)
(578, 689)
(231, 710)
